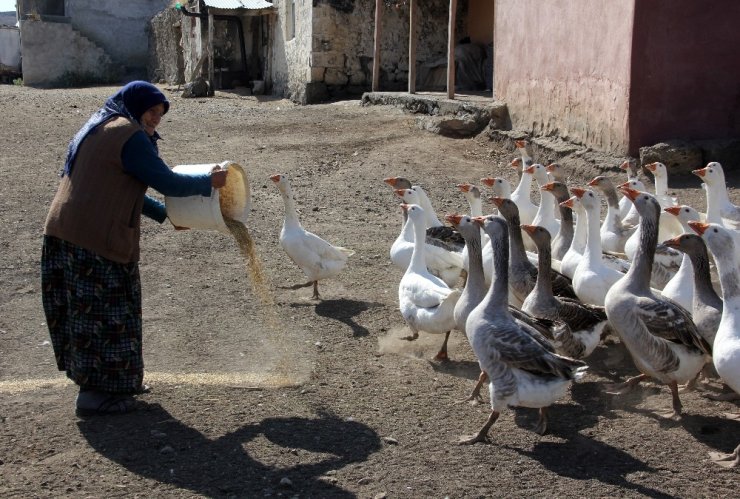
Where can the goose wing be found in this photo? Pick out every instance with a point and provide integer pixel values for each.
(423, 292)
(670, 321)
(578, 315)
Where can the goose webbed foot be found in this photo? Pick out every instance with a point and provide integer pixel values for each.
(316, 295)
(677, 406)
(541, 426)
(731, 460)
(442, 354)
(411, 337)
(627, 386)
(723, 397)
(475, 397)
(691, 385)
(297, 286)
(482, 435)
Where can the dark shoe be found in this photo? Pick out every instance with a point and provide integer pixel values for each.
(112, 404)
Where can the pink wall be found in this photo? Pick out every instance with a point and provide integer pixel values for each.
(562, 67)
(685, 71)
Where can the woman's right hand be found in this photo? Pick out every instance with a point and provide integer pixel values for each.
(218, 178)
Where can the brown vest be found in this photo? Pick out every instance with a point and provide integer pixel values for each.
(98, 207)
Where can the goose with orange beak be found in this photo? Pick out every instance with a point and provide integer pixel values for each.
(522, 196)
(680, 288)
(614, 233)
(659, 334)
(726, 355)
(720, 209)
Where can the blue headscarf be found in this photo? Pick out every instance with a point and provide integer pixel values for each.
(131, 101)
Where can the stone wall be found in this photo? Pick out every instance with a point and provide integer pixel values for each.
(291, 72)
(55, 54)
(119, 27)
(166, 62)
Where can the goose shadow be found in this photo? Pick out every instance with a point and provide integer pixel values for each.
(344, 311)
(466, 369)
(719, 433)
(582, 458)
(153, 444)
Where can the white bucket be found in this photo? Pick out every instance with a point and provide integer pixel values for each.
(199, 212)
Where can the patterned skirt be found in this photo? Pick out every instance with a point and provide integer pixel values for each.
(93, 311)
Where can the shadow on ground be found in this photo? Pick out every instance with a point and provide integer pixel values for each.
(152, 444)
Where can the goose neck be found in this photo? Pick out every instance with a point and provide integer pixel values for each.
(580, 232)
(544, 264)
(476, 277)
(593, 241)
(525, 184)
(702, 279)
(498, 294)
(418, 262)
(642, 266)
(518, 252)
(291, 215)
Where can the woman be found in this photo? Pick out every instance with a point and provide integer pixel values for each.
(89, 266)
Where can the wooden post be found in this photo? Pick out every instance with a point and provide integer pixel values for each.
(271, 21)
(493, 51)
(376, 49)
(412, 46)
(451, 50)
(211, 63)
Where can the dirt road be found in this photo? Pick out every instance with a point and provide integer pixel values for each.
(328, 402)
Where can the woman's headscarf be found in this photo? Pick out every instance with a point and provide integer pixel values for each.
(131, 101)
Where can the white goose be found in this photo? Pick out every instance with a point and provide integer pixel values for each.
(317, 258)
(442, 260)
(473, 196)
(522, 196)
(719, 206)
(592, 279)
(545, 216)
(669, 226)
(523, 368)
(681, 286)
(426, 302)
(726, 354)
(614, 233)
(627, 211)
(659, 334)
(500, 187)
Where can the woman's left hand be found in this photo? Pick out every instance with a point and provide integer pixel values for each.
(218, 178)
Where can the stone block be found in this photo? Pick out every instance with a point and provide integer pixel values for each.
(335, 77)
(678, 155)
(317, 74)
(315, 92)
(327, 59)
(725, 152)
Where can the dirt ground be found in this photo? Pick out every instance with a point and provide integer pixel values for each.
(324, 401)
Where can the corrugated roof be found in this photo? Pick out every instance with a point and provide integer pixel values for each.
(238, 4)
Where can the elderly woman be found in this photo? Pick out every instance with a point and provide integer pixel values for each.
(89, 266)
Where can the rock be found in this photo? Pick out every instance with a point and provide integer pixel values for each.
(678, 155)
(452, 126)
(286, 482)
(725, 152)
(390, 440)
(166, 450)
(197, 88)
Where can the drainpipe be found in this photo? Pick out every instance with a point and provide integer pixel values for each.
(220, 17)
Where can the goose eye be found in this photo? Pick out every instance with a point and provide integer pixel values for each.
(716, 231)
(686, 210)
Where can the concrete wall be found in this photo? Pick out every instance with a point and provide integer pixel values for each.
(54, 54)
(10, 48)
(562, 67)
(119, 27)
(685, 71)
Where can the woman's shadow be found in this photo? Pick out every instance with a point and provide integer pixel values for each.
(152, 444)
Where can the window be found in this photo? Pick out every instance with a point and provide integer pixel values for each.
(290, 20)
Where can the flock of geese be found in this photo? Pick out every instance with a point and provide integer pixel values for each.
(544, 284)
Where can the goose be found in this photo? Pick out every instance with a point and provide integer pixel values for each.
(592, 278)
(473, 196)
(726, 351)
(317, 258)
(659, 334)
(521, 196)
(426, 302)
(500, 187)
(564, 236)
(631, 217)
(476, 287)
(670, 227)
(719, 206)
(625, 207)
(575, 252)
(435, 228)
(614, 233)
(545, 216)
(667, 260)
(681, 288)
(525, 149)
(443, 260)
(523, 272)
(706, 306)
(556, 173)
(584, 322)
(522, 365)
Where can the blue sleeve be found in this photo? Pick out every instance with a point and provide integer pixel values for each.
(154, 209)
(140, 160)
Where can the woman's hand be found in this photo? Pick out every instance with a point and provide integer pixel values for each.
(218, 178)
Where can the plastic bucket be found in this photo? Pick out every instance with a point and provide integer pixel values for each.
(234, 200)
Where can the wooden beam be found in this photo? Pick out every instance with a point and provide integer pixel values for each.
(493, 51)
(211, 64)
(376, 45)
(451, 50)
(412, 46)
